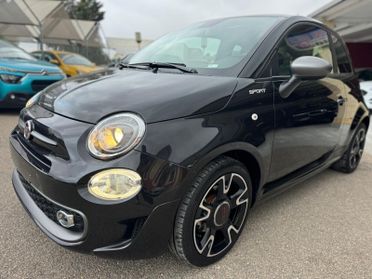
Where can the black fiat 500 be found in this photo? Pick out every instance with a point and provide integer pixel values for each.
(177, 144)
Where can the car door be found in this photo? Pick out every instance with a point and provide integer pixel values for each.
(344, 72)
(308, 122)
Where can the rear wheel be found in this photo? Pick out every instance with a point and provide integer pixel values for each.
(212, 215)
(352, 157)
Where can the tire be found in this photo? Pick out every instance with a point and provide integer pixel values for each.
(351, 159)
(212, 215)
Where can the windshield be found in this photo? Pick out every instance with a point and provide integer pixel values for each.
(9, 51)
(75, 59)
(209, 47)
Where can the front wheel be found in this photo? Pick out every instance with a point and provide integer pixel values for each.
(352, 157)
(213, 212)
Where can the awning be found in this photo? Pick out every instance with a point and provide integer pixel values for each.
(26, 12)
(16, 12)
(94, 38)
(352, 19)
(63, 29)
(66, 31)
(23, 18)
(42, 9)
(20, 31)
(47, 21)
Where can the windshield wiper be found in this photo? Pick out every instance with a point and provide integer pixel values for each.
(157, 65)
(122, 65)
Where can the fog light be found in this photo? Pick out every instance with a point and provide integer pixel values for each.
(115, 184)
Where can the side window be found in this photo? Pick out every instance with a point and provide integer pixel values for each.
(342, 56)
(44, 56)
(304, 40)
(37, 55)
(49, 57)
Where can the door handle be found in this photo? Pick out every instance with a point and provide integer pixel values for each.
(341, 101)
(317, 112)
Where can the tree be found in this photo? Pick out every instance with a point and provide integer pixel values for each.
(85, 9)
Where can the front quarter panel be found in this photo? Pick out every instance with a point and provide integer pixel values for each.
(357, 111)
(194, 141)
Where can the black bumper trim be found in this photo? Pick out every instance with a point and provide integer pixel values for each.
(59, 234)
(19, 100)
(152, 239)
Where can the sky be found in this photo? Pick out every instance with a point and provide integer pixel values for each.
(154, 18)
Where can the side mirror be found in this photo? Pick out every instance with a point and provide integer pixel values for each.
(54, 61)
(305, 68)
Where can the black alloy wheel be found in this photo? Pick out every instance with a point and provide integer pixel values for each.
(357, 149)
(213, 213)
(352, 157)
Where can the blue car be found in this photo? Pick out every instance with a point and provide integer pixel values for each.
(22, 75)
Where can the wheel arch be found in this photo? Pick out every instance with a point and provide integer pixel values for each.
(366, 121)
(246, 153)
(361, 116)
(252, 165)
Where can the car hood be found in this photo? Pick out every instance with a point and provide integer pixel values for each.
(85, 69)
(23, 65)
(155, 96)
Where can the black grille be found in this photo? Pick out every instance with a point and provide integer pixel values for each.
(35, 157)
(42, 145)
(38, 85)
(50, 209)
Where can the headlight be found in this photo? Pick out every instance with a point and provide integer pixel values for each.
(115, 184)
(13, 79)
(115, 135)
(33, 100)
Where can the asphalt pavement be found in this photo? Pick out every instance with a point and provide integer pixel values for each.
(319, 229)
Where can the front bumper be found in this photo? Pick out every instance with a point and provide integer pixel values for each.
(16, 95)
(141, 226)
(14, 100)
(40, 214)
